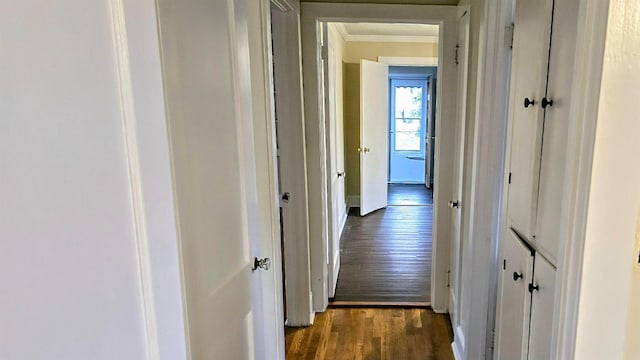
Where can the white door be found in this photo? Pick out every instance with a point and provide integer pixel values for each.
(542, 290)
(374, 109)
(528, 86)
(205, 50)
(335, 164)
(407, 131)
(431, 136)
(514, 299)
(455, 203)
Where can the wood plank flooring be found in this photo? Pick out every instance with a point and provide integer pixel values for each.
(394, 334)
(405, 194)
(386, 256)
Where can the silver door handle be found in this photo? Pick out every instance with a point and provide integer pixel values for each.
(263, 264)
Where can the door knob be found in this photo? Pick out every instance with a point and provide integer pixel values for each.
(546, 103)
(528, 102)
(454, 204)
(517, 276)
(341, 174)
(366, 150)
(263, 264)
(286, 197)
(533, 288)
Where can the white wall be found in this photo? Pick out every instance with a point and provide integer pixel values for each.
(69, 268)
(608, 323)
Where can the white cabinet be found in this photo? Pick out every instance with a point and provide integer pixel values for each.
(525, 302)
(532, 30)
(542, 296)
(541, 79)
(514, 302)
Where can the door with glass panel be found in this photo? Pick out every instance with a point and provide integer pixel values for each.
(407, 131)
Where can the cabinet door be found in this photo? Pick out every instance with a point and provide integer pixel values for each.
(556, 123)
(532, 31)
(543, 288)
(514, 299)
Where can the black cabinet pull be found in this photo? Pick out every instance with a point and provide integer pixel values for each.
(528, 102)
(546, 103)
(533, 288)
(517, 276)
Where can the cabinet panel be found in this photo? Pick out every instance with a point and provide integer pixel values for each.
(514, 299)
(542, 298)
(528, 81)
(556, 123)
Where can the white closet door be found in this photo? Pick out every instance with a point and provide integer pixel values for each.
(542, 289)
(514, 299)
(528, 86)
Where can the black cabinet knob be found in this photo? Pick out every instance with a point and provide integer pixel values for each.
(517, 276)
(533, 288)
(529, 102)
(546, 103)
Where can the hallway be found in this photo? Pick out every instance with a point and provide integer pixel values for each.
(408, 334)
(386, 255)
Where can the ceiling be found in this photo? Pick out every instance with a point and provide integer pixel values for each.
(385, 32)
(402, 2)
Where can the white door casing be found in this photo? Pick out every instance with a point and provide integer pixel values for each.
(206, 54)
(456, 202)
(407, 163)
(374, 107)
(334, 129)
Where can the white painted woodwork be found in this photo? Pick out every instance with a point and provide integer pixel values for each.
(431, 134)
(556, 126)
(528, 80)
(542, 309)
(269, 318)
(311, 14)
(583, 117)
(407, 166)
(514, 299)
(457, 246)
(205, 52)
(335, 151)
(608, 318)
(374, 146)
(293, 164)
(71, 269)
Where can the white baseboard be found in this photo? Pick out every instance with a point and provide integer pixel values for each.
(353, 201)
(457, 354)
(343, 220)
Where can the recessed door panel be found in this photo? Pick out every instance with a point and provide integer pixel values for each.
(528, 87)
(514, 299)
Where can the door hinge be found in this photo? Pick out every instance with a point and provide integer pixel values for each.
(449, 278)
(504, 264)
(456, 55)
(324, 52)
(493, 339)
(508, 35)
(509, 178)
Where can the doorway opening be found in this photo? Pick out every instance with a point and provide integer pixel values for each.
(380, 134)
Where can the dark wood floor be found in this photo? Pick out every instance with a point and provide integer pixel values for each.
(394, 334)
(386, 256)
(404, 194)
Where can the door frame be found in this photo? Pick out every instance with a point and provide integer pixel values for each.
(286, 58)
(312, 14)
(393, 81)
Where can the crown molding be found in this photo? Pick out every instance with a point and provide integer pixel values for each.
(391, 38)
